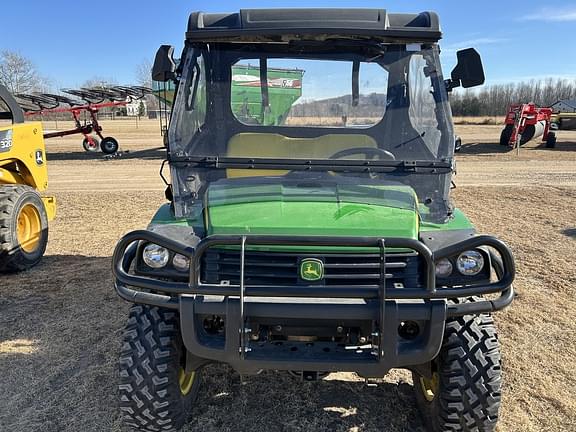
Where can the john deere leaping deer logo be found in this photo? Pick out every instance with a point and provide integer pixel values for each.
(311, 269)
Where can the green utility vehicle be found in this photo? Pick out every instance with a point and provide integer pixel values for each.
(319, 240)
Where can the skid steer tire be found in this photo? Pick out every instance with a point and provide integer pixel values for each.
(465, 390)
(23, 228)
(155, 393)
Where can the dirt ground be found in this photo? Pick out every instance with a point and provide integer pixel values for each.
(60, 323)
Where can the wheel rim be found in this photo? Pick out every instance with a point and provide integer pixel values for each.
(29, 228)
(90, 148)
(185, 381)
(430, 386)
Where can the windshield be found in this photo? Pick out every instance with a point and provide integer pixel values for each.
(244, 111)
(299, 97)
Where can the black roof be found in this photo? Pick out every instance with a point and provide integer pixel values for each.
(273, 23)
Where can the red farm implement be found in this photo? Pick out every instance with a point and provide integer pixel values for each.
(525, 122)
(86, 101)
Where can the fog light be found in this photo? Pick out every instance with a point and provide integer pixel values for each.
(155, 256)
(443, 268)
(181, 262)
(470, 263)
(409, 330)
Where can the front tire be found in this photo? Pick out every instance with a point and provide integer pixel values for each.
(465, 390)
(23, 228)
(155, 392)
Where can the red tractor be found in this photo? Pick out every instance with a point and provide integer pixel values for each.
(525, 122)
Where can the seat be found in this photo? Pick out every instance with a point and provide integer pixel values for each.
(269, 145)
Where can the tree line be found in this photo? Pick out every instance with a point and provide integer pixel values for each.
(491, 100)
(20, 75)
(371, 105)
(494, 100)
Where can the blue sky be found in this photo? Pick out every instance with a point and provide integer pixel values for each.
(69, 42)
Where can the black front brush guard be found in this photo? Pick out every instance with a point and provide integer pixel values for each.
(383, 305)
(125, 253)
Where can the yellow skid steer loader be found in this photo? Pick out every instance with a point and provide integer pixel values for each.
(24, 214)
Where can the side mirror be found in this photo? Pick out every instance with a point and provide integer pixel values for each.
(468, 72)
(164, 66)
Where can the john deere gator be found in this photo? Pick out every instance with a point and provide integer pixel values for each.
(323, 240)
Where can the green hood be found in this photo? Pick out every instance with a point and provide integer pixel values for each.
(335, 210)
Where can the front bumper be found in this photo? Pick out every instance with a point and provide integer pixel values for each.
(383, 307)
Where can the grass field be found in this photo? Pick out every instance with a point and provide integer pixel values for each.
(478, 120)
(60, 323)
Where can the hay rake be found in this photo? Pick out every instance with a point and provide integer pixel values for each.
(84, 100)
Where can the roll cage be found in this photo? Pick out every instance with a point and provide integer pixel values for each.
(215, 42)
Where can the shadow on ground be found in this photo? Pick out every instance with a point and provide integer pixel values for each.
(483, 148)
(61, 326)
(158, 153)
(281, 402)
(560, 146)
(495, 148)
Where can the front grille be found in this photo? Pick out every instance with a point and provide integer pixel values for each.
(282, 268)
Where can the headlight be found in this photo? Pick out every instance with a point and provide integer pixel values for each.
(181, 262)
(470, 263)
(155, 256)
(443, 268)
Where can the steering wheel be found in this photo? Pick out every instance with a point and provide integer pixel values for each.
(369, 152)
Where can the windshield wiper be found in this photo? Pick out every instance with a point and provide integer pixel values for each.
(411, 139)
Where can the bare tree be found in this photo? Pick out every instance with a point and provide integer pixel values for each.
(143, 73)
(19, 75)
(98, 81)
(494, 100)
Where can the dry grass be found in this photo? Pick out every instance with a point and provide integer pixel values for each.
(479, 120)
(130, 132)
(60, 323)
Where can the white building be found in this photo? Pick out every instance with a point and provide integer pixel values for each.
(133, 108)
